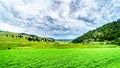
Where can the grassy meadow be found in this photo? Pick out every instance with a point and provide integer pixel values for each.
(21, 53)
(22, 43)
(61, 58)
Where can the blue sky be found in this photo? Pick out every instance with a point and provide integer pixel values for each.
(64, 19)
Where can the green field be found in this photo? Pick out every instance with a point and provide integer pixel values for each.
(61, 58)
(21, 53)
(21, 43)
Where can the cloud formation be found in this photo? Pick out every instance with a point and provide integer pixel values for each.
(57, 18)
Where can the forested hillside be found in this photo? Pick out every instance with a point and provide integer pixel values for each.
(107, 32)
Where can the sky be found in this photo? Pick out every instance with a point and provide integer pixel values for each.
(60, 19)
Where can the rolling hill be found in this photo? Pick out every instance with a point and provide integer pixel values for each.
(25, 36)
(107, 32)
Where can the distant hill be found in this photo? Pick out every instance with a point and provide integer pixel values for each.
(26, 36)
(67, 40)
(107, 32)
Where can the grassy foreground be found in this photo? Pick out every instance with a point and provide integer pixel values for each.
(61, 58)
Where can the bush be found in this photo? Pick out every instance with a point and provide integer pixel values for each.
(30, 39)
(116, 41)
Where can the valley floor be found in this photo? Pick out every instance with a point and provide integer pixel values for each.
(61, 58)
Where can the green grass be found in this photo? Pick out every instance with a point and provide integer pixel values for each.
(50, 45)
(26, 54)
(61, 58)
(22, 43)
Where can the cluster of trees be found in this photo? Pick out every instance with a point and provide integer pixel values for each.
(107, 32)
(116, 41)
(30, 37)
(40, 39)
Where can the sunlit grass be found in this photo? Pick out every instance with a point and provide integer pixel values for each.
(60, 58)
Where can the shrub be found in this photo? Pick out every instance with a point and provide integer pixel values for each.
(30, 39)
(116, 41)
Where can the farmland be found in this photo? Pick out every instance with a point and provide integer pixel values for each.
(61, 58)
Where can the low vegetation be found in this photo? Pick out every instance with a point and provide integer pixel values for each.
(61, 58)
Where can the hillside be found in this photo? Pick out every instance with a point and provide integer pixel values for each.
(24, 36)
(107, 32)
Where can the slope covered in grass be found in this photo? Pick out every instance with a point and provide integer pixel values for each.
(26, 36)
(61, 58)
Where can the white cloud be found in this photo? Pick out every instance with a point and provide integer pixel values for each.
(8, 27)
(57, 18)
